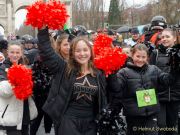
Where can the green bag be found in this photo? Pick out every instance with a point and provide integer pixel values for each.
(146, 97)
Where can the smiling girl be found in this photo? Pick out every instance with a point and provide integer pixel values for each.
(62, 46)
(78, 89)
(15, 114)
(135, 87)
(169, 96)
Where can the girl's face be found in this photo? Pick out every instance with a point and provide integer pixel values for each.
(167, 39)
(82, 53)
(64, 47)
(14, 53)
(140, 57)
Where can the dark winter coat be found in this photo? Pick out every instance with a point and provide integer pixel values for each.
(131, 79)
(162, 59)
(61, 90)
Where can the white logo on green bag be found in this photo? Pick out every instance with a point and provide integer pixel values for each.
(146, 97)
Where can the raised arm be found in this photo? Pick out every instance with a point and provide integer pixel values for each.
(47, 53)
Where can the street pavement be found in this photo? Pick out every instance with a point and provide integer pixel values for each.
(41, 130)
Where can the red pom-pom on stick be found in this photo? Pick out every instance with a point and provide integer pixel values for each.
(20, 78)
(107, 57)
(52, 14)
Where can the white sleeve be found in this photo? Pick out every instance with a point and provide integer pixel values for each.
(5, 89)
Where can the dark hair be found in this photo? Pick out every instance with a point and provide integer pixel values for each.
(139, 47)
(3, 44)
(135, 30)
(23, 59)
(72, 63)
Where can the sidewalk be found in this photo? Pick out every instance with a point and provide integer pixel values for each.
(41, 130)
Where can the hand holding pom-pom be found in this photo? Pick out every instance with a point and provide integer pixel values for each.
(20, 78)
(52, 14)
(35, 15)
(56, 16)
(107, 58)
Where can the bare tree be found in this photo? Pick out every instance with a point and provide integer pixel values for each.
(89, 13)
(168, 9)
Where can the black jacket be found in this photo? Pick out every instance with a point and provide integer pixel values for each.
(131, 79)
(61, 89)
(162, 59)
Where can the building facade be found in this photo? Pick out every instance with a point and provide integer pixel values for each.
(8, 8)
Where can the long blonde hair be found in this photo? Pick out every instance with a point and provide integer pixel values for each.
(72, 63)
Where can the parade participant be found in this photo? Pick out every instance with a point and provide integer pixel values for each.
(3, 46)
(134, 88)
(78, 89)
(153, 36)
(15, 114)
(42, 83)
(62, 46)
(168, 95)
(134, 37)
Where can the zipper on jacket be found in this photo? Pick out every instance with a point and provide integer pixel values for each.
(4, 111)
(99, 95)
(169, 92)
(142, 82)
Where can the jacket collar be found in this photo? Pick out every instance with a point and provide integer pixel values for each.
(134, 67)
(162, 48)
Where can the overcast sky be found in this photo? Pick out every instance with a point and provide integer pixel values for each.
(129, 3)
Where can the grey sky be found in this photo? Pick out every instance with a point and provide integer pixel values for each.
(129, 3)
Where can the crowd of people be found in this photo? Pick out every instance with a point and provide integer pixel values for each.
(70, 93)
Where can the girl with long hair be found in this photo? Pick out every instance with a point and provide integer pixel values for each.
(77, 94)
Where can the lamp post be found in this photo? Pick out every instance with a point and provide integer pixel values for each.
(158, 6)
(102, 13)
(132, 14)
(178, 10)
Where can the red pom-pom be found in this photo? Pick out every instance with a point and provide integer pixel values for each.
(56, 15)
(36, 14)
(52, 14)
(20, 78)
(107, 57)
(101, 42)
